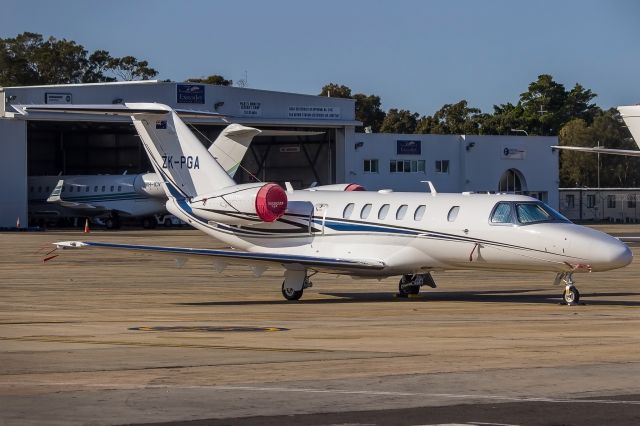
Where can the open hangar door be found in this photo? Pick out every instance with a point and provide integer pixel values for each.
(84, 148)
(300, 155)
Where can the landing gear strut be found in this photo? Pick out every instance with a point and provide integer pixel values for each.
(571, 295)
(410, 284)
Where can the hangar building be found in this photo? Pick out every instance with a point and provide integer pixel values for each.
(321, 143)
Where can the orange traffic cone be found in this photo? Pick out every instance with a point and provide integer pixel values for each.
(86, 226)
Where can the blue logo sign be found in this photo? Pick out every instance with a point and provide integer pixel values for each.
(409, 147)
(190, 94)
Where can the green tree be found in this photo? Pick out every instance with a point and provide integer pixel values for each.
(581, 169)
(368, 111)
(399, 121)
(29, 59)
(129, 68)
(218, 80)
(453, 119)
(335, 91)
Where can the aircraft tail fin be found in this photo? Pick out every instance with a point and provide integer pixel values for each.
(230, 146)
(631, 117)
(178, 156)
(55, 194)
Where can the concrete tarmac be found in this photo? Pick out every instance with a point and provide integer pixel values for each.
(108, 337)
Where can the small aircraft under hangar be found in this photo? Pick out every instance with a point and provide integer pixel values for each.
(363, 234)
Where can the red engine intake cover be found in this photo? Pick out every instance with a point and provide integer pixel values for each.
(271, 202)
(354, 187)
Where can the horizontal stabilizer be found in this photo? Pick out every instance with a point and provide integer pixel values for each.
(126, 109)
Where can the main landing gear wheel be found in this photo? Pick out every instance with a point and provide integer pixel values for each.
(571, 295)
(405, 288)
(291, 294)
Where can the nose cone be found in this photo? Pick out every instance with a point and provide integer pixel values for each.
(610, 254)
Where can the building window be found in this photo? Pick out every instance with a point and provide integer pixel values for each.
(406, 166)
(371, 166)
(442, 166)
(631, 201)
(591, 201)
(611, 201)
(570, 200)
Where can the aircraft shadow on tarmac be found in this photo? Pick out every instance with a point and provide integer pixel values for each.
(489, 296)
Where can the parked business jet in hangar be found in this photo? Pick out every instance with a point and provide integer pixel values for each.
(103, 196)
(360, 234)
(631, 116)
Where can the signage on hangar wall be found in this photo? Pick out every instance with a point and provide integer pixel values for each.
(251, 108)
(405, 147)
(314, 112)
(57, 98)
(190, 93)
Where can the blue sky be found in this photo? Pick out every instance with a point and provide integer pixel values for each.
(416, 55)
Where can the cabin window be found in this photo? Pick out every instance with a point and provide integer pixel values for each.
(47, 189)
(104, 188)
(382, 213)
(417, 215)
(502, 213)
(347, 211)
(70, 188)
(31, 189)
(401, 212)
(364, 213)
(87, 189)
(119, 188)
(111, 188)
(95, 189)
(453, 213)
(39, 189)
(64, 188)
(529, 213)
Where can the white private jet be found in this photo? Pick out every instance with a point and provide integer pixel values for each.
(361, 234)
(106, 196)
(631, 116)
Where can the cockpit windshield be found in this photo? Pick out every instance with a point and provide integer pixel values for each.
(525, 213)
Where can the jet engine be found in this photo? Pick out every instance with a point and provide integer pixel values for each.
(149, 184)
(242, 204)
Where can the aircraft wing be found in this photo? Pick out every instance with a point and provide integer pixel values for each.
(236, 257)
(627, 152)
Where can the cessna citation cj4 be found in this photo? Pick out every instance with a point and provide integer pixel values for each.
(362, 234)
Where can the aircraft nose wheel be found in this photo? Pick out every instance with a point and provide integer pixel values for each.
(406, 286)
(291, 294)
(571, 295)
